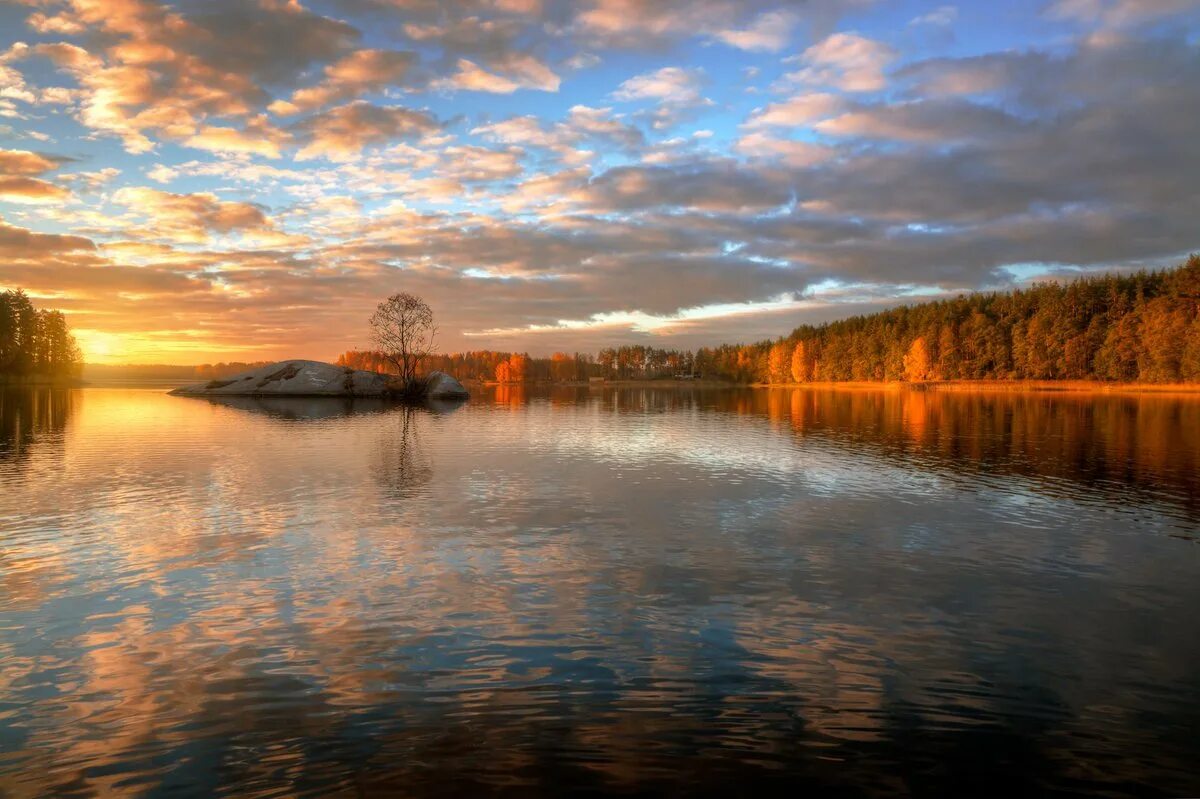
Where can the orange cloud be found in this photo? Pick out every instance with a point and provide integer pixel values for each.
(161, 73)
(342, 133)
(23, 162)
(31, 190)
(359, 72)
(191, 218)
(259, 137)
(17, 242)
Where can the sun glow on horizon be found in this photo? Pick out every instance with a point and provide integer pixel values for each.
(123, 349)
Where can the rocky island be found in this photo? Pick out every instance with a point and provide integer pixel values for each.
(300, 378)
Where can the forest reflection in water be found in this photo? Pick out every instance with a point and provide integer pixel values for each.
(543, 591)
(1130, 444)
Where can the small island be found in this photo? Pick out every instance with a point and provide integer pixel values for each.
(300, 378)
(403, 329)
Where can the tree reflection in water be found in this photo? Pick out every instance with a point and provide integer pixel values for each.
(401, 465)
(30, 416)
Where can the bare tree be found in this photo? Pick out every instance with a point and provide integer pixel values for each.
(403, 330)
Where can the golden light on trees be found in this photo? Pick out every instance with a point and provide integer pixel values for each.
(917, 363)
(779, 362)
(801, 371)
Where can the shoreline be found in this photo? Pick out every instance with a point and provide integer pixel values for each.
(958, 386)
(1002, 386)
(995, 386)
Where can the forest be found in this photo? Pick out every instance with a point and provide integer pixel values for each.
(1142, 327)
(33, 342)
(1136, 328)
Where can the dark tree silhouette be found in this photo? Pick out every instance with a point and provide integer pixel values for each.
(34, 342)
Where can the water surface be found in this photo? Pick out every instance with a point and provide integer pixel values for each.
(618, 591)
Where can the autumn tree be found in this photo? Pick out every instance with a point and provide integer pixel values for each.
(518, 368)
(403, 331)
(779, 362)
(801, 368)
(917, 363)
(563, 367)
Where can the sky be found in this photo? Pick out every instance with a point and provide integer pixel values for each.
(212, 180)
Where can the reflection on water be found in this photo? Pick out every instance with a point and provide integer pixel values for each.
(873, 593)
(301, 408)
(27, 415)
(402, 465)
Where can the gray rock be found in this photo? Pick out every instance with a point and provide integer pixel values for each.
(440, 385)
(294, 379)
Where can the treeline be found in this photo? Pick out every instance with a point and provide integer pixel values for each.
(631, 362)
(34, 342)
(1143, 327)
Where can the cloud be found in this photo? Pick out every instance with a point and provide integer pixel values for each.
(343, 132)
(490, 55)
(24, 162)
(870, 167)
(548, 191)
(845, 61)
(798, 111)
(675, 85)
(259, 137)
(470, 163)
(93, 180)
(355, 74)
(646, 23)
(940, 17)
(677, 91)
(20, 243)
(1119, 13)
(794, 153)
(470, 77)
(719, 186)
(56, 23)
(12, 82)
(600, 123)
(157, 71)
(27, 190)
(526, 130)
(162, 173)
(191, 218)
(582, 123)
(934, 121)
(769, 32)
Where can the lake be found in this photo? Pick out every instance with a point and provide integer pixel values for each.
(861, 593)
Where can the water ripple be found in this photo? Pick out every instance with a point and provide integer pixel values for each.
(867, 593)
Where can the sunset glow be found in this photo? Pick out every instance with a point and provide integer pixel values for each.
(220, 180)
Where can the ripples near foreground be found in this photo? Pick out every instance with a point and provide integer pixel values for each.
(619, 591)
